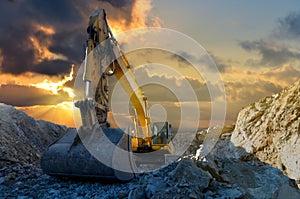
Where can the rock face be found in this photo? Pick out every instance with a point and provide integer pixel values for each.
(270, 129)
(22, 138)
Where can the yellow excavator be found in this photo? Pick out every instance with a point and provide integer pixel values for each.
(77, 154)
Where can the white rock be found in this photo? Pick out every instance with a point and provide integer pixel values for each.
(270, 129)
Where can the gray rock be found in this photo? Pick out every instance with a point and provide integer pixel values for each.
(193, 196)
(137, 193)
(270, 130)
(189, 174)
(231, 193)
(287, 191)
(155, 189)
(122, 194)
(23, 138)
(249, 179)
(2, 180)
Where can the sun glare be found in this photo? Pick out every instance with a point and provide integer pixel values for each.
(55, 87)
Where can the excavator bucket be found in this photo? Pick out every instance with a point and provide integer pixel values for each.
(71, 159)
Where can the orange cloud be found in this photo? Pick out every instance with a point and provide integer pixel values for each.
(41, 46)
(57, 86)
(37, 95)
(139, 18)
(48, 30)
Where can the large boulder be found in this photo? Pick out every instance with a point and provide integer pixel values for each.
(23, 138)
(270, 129)
(244, 175)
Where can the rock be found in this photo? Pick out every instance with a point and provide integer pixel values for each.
(154, 187)
(231, 193)
(228, 128)
(193, 196)
(270, 129)
(53, 191)
(137, 193)
(268, 181)
(22, 138)
(287, 191)
(188, 174)
(240, 178)
(2, 180)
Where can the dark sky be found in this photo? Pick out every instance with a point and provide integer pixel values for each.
(20, 20)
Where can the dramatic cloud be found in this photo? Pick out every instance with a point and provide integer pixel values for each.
(247, 92)
(243, 93)
(280, 47)
(183, 59)
(40, 41)
(162, 84)
(289, 26)
(284, 75)
(243, 86)
(26, 43)
(31, 89)
(223, 65)
(48, 36)
(272, 54)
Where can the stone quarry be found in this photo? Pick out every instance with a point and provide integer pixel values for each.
(256, 158)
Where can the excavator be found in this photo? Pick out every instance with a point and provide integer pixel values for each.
(78, 152)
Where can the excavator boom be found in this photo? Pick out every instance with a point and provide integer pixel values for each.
(71, 155)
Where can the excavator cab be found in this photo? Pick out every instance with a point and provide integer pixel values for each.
(161, 135)
(159, 140)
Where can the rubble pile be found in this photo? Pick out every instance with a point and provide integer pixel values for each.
(214, 177)
(23, 138)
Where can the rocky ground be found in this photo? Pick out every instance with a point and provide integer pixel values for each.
(216, 176)
(228, 171)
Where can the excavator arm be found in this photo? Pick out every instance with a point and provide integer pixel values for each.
(100, 36)
(71, 155)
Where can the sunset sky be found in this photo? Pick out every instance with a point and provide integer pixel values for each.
(255, 45)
